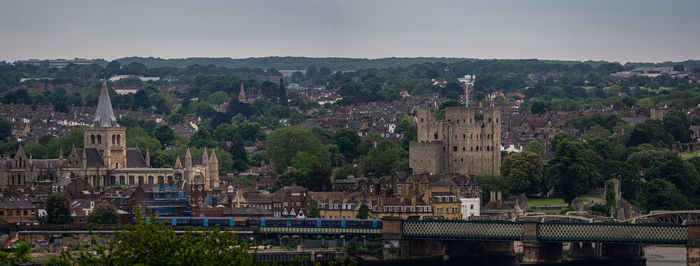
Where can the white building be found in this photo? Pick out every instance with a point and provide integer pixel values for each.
(469, 207)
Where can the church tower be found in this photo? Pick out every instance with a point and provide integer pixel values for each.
(104, 135)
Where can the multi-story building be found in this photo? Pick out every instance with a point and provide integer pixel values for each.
(466, 141)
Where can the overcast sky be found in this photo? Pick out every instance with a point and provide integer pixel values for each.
(614, 30)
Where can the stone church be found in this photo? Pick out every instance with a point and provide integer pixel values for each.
(467, 141)
(105, 161)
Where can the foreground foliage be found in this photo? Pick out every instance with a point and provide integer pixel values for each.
(154, 244)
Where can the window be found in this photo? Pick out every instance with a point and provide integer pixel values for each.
(454, 148)
(471, 206)
(25, 213)
(435, 135)
(2, 213)
(99, 139)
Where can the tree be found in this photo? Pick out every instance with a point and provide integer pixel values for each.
(158, 244)
(284, 143)
(652, 132)
(5, 130)
(678, 125)
(164, 134)
(384, 159)
(347, 141)
(363, 212)
(315, 212)
(535, 147)
(678, 67)
(538, 107)
(103, 214)
(203, 137)
(218, 98)
(569, 173)
(57, 209)
(523, 171)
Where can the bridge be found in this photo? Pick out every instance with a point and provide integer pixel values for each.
(542, 236)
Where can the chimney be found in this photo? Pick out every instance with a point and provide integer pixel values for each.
(492, 197)
(498, 197)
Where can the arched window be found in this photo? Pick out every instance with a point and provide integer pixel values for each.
(114, 139)
(99, 139)
(122, 180)
(131, 180)
(119, 138)
(150, 179)
(92, 137)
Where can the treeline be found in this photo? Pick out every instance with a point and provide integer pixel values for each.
(652, 178)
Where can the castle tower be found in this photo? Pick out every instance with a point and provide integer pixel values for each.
(241, 94)
(467, 141)
(213, 168)
(105, 135)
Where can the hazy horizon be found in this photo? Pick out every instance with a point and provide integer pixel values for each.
(621, 31)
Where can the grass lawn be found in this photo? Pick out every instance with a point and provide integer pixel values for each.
(687, 155)
(532, 202)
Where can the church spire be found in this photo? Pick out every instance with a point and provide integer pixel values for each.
(178, 163)
(205, 157)
(104, 115)
(241, 94)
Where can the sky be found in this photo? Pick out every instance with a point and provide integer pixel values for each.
(612, 30)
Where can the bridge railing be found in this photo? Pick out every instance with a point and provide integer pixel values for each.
(460, 229)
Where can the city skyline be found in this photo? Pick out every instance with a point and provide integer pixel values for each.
(623, 31)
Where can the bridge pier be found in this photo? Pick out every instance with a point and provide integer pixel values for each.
(693, 244)
(392, 230)
(536, 251)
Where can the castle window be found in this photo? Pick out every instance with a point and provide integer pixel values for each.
(488, 148)
(114, 139)
(496, 120)
(443, 148)
(489, 120)
(92, 137)
(421, 119)
(435, 135)
(471, 148)
(454, 148)
(119, 138)
(471, 136)
(477, 147)
(470, 120)
(462, 159)
(464, 136)
(464, 148)
(99, 139)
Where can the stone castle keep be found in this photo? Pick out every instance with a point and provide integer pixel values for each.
(467, 141)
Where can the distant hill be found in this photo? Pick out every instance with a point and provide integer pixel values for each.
(338, 63)
(287, 63)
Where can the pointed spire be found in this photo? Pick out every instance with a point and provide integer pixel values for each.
(241, 94)
(60, 153)
(188, 160)
(205, 157)
(178, 163)
(148, 158)
(213, 158)
(104, 115)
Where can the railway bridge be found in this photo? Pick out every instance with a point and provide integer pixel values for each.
(542, 236)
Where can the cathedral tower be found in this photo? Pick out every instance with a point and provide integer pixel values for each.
(104, 135)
